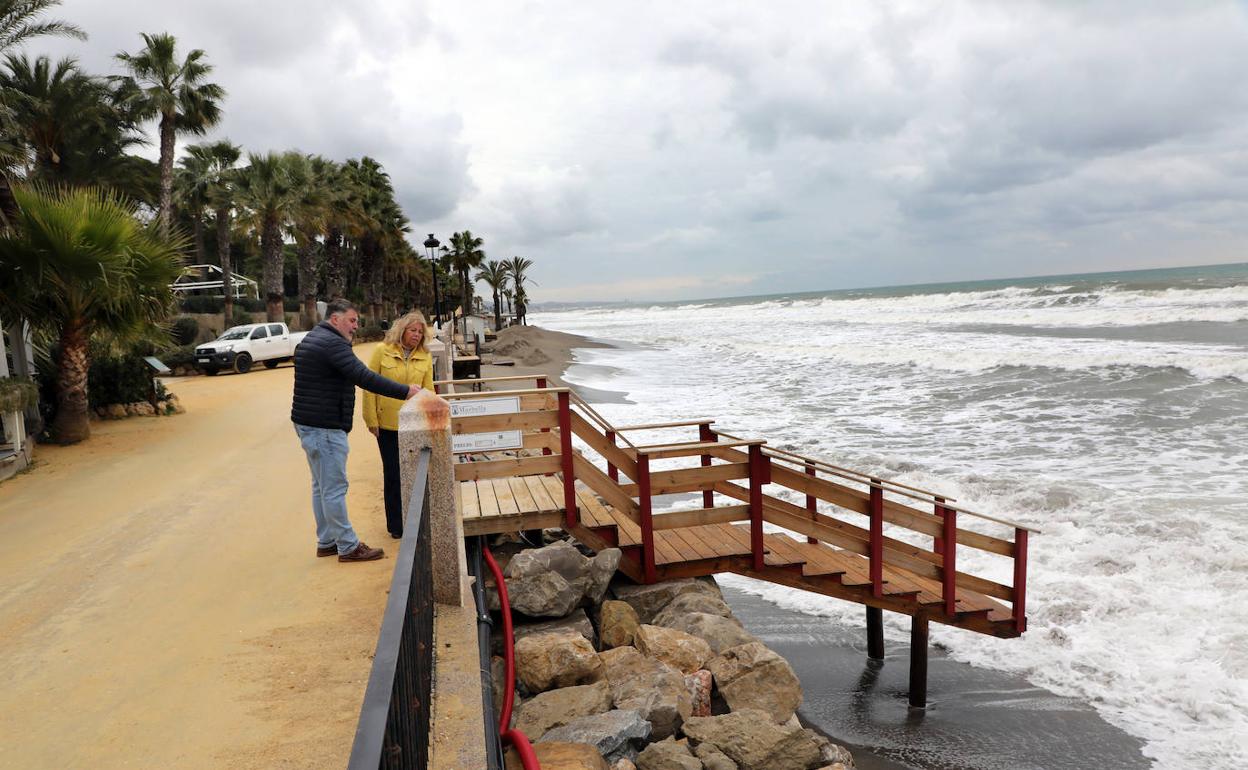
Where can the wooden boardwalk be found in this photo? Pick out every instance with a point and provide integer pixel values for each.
(854, 539)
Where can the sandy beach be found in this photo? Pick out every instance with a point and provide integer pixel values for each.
(161, 606)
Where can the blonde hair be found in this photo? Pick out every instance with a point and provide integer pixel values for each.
(394, 335)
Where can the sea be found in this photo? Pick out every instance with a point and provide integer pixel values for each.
(1109, 410)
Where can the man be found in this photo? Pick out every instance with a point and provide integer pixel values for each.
(326, 373)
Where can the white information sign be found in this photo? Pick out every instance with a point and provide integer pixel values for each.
(484, 442)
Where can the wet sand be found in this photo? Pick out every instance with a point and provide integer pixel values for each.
(160, 601)
(976, 719)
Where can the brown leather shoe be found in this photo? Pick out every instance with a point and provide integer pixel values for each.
(328, 550)
(362, 553)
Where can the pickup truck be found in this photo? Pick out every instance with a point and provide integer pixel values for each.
(240, 346)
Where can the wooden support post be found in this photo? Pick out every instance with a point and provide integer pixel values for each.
(1020, 580)
(812, 504)
(875, 633)
(705, 434)
(757, 479)
(877, 539)
(949, 576)
(541, 383)
(647, 520)
(571, 515)
(612, 471)
(918, 660)
(938, 542)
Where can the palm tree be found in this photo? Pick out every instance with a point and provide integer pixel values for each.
(517, 267)
(160, 85)
(78, 261)
(268, 197)
(214, 170)
(465, 255)
(308, 216)
(495, 275)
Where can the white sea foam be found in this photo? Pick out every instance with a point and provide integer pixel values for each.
(1128, 452)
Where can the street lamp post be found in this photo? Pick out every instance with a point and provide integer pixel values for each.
(431, 246)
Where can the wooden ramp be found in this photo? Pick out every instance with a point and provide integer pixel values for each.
(854, 538)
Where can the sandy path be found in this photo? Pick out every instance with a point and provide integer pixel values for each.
(160, 601)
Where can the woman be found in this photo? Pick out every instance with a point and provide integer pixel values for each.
(404, 357)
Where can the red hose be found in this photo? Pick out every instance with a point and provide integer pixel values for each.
(517, 739)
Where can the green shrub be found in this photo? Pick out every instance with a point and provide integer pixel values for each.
(182, 355)
(185, 330)
(370, 333)
(119, 380)
(17, 393)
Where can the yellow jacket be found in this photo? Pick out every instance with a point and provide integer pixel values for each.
(388, 361)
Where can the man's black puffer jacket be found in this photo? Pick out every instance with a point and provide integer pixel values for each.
(326, 373)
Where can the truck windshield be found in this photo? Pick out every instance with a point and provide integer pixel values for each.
(237, 333)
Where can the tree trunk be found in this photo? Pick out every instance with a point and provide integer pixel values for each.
(271, 248)
(200, 256)
(498, 312)
(167, 137)
(307, 281)
(334, 287)
(370, 253)
(227, 266)
(71, 423)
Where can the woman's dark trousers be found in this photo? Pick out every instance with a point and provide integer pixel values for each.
(388, 443)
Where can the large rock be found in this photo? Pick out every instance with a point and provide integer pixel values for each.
(668, 755)
(577, 622)
(692, 601)
(712, 758)
(617, 734)
(544, 661)
(649, 599)
(830, 754)
(623, 764)
(684, 652)
(617, 624)
(699, 684)
(752, 676)
(601, 569)
(721, 633)
(561, 756)
(555, 708)
(550, 582)
(651, 687)
(751, 739)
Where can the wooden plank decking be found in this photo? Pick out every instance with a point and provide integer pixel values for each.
(490, 506)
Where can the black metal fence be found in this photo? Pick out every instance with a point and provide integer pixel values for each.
(393, 731)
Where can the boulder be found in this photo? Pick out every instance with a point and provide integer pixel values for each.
(699, 684)
(712, 758)
(552, 581)
(114, 411)
(617, 734)
(754, 742)
(577, 622)
(720, 633)
(561, 756)
(545, 661)
(830, 754)
(683, 652)
(623, 764)
(752, 676)
(617, 624)
(555, 708)
(651, 687)
(693, 601)
(668, 755)
(498, 681)
(601, 569)
(649, 599)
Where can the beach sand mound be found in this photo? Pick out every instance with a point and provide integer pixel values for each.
(531, 346)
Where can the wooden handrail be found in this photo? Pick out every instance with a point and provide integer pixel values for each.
(602, 421)
(476, 380)
(501, 393)
(667, 451)
(652, 426)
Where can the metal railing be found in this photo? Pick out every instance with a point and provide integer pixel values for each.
(393, 730)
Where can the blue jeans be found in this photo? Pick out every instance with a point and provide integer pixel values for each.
(327, 449)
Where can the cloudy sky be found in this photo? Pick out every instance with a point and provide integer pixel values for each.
(658, 150)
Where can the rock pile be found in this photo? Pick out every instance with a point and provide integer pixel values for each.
(170, 406)
(657, 677)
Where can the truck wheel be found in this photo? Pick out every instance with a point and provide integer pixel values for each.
(272, 363)
(211, 371)
(242, 364)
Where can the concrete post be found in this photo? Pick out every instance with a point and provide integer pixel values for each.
(446, 529)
